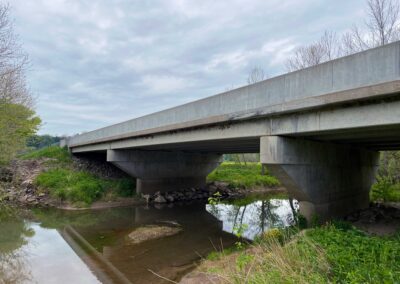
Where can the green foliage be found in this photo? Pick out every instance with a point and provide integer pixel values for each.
(17, 122)
(61, 155)
(389, 166)
(243, 260)
(384, 190)
(80, 187)
(387, 187)
(238, 175)
(238, 231)
(357, 258)
(215, 198)
(40, 141)
(14, 230)
(334, 253)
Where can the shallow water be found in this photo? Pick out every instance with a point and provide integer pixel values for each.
(54, 246)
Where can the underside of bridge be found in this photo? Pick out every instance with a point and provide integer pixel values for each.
(329, 172)
(319, 131)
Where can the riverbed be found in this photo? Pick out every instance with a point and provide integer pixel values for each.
(56, 246)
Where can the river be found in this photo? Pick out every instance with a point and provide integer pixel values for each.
(55, 246)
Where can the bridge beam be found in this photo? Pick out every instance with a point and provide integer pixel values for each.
(164, 171)
(329, 180)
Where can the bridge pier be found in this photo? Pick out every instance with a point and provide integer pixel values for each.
(329, 180)
(164, 171)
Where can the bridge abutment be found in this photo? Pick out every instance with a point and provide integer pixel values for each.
(165, 170)
(329, 180)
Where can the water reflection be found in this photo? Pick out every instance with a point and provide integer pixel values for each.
(55, 246)
(256, 216)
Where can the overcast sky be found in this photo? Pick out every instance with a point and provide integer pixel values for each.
(99, 62)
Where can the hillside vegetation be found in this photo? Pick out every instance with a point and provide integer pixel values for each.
(65, 182)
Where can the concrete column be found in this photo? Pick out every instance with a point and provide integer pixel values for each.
(329, 180)
(165, 171)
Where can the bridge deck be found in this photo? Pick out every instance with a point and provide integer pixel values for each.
(369, 75)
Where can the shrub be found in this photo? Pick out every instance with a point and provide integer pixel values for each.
(384, 190)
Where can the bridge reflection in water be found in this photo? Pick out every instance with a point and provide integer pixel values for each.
(46, 249)
(106, 249)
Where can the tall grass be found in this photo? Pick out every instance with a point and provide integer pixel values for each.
(334, 253)
(268, 261)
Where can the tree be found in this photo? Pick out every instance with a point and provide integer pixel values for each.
(257, 74)
(381, 27)
(17, 119)
(41, 141)
(324, 49)
(17, 122)
(13, 61)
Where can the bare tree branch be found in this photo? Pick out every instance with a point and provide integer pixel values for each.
(13, 62)
(381, 27)
(326, 48)
(257, 74)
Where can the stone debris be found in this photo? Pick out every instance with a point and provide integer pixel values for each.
(376, 212)
(17, 183)
(195, 193)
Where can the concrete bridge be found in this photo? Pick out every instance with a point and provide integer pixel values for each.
(319, 131)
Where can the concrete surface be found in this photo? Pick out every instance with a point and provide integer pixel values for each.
(165, 171)
(318, 129)
(318, 86)
(328, 179)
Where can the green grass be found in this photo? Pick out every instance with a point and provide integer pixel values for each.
(65, 182)
(385, 190)
(239, 175)
(333, 253)
(81, 187)
(61, 155)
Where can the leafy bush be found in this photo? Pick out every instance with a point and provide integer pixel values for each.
(80, 186)
(17, 123)
(389, 166)
(238, 175)
(384, 190)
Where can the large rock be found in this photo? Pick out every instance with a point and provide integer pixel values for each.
(160, 199)
(152, 232)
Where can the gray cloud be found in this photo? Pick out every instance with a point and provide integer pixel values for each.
(96, 63)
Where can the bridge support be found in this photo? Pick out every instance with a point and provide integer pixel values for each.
(329, 180)
(164, 171)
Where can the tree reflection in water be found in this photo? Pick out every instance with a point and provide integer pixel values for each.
(256, 215)
(13, 237)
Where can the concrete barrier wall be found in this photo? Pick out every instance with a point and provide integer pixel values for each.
(362, 69)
